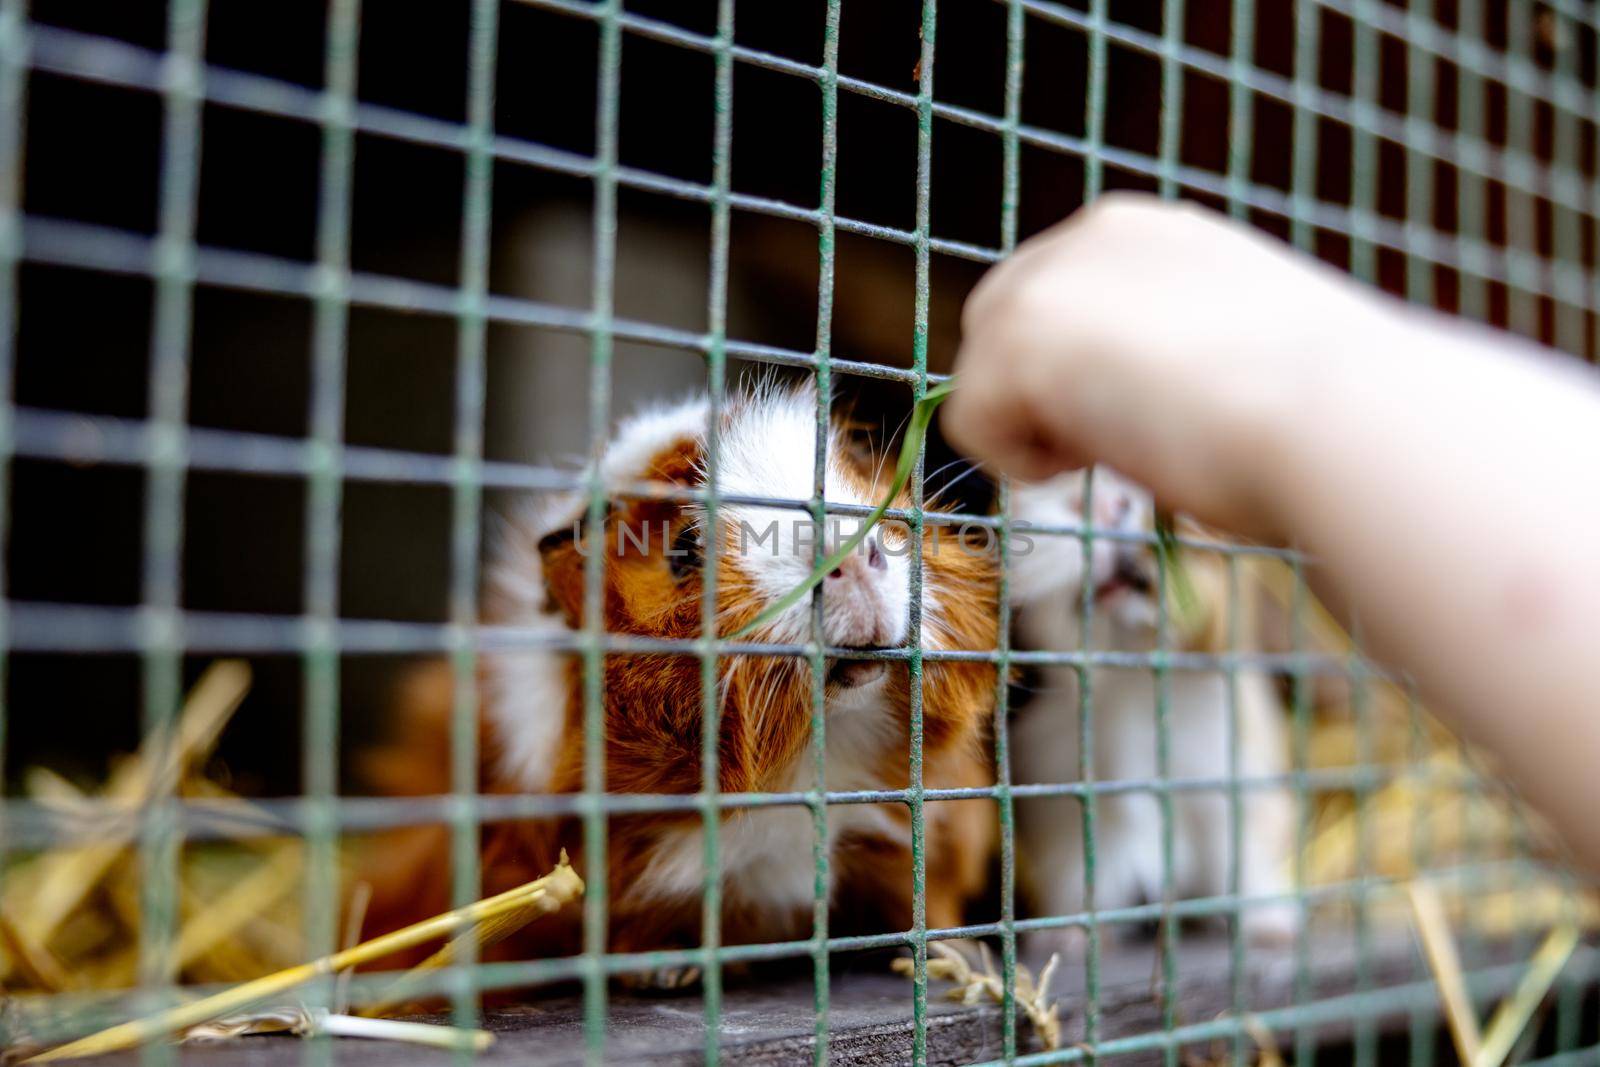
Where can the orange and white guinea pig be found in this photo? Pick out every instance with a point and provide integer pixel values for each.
(655, 560)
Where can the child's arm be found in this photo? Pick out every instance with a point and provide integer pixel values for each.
(1446, 478)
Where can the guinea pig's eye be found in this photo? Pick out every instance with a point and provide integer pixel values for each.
(687, 554)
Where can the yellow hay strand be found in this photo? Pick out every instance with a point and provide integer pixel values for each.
(948, 963)
(220, 919)
(1440, 948)
(1512, 1016)
(490, 931)
(37, 964)
(63, 879)
(552, 892)
(1266, 1044)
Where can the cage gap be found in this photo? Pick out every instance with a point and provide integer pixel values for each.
(394, 561)
(406, 229)
(398, 67)
(567, 71)
(777, 139)
(66, 360)
(399, 364)
(1051, 187)
(877, 141)
(971, 55)
(1053, 77)
(286, 42)
(792, 31)
(103, 130)
(665, 125)
(967, 159)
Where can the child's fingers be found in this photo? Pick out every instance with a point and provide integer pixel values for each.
(991, 418)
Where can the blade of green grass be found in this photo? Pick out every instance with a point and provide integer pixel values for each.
(910, 449)
(1172, 564)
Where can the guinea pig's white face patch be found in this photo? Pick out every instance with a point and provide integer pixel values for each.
(768, 449)
(1045, 564)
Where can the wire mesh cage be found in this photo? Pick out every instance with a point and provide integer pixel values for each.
(302, 304)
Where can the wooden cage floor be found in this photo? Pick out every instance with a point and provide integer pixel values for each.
(768, 1021)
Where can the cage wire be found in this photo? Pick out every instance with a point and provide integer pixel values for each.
(1514, 155)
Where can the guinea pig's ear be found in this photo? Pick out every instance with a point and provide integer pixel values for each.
(561, 555)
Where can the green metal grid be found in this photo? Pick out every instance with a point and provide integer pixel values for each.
(325, 492)
(716, 381)
(164, 490)
(168, 448)
(917, 797)
(13, 101)
(607, 109)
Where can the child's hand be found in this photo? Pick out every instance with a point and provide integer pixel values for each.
(1440, 474)
(1161, 339)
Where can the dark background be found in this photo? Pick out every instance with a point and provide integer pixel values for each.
(92, 154)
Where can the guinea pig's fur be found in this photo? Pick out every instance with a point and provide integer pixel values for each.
(1047, 583)
(656, 552)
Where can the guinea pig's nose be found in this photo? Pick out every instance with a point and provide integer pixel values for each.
(868, 556)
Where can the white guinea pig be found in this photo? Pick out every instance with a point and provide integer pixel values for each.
(1048, 580)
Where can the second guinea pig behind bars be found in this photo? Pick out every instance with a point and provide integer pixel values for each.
(1219, 727)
